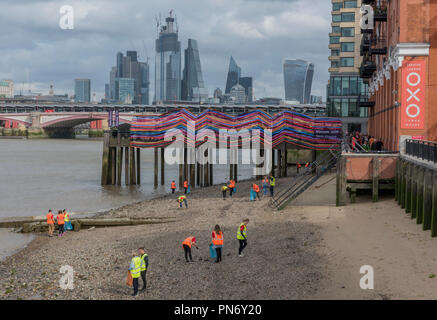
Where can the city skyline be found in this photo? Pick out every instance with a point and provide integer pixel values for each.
(267, 31)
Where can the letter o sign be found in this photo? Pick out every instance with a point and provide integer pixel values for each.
(409, 79)
(415, 115)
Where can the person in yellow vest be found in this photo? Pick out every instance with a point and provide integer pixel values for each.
(67, 225)
(224, 191)
(217, 241)
(242, 236)
(51, 222)
(135, 271)
(272, 185)
(61, 222)
(173, 186)
(231, 187)
(184, 200)
(186, 244)
(144, 265)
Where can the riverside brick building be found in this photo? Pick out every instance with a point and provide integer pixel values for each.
(400, 66)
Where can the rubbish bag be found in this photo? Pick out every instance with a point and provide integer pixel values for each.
(252, 195)
(68, 226)
(235, 190)
(129, 279)
(189, 189)
(212, 252)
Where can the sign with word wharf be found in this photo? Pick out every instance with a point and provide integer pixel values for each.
(413, 94)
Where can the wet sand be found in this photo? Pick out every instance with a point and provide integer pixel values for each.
(11, 242)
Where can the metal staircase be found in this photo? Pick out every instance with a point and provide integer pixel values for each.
(306, 178)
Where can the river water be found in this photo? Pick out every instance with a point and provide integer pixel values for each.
(37, 175)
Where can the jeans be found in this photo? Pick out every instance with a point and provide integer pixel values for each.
(224, 194)
(143, 276)
(61, 228)
(187, 251)
(271, 191)
(218, 251)
(186, 205)
(135, 284)
(243, 244)
(231, 191)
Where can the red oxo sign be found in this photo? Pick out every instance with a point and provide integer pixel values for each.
(413, 94)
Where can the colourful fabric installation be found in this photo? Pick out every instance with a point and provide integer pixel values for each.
(297, 129)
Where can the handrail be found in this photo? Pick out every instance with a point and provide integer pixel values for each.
(422, 149)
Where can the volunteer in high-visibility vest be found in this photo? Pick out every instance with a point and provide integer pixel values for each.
(255, 188)
(242, 236)
(224, 191)
(272, 185)
(67, 225)
(231, 187)
(135, 271)
(185, 186)
(265, 185)
(173, 186)
(298, 167)
(60, 219)
(186, 244)
(51, 222)
(144, 265)
(184, 200)
(217, 241)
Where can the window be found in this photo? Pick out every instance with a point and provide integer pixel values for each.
(348, 17)
(336, 29)
(337, 6)
(347, 32)
(335, 52)
(334, 40)
(347, 46)
(334, 64)
(350, 4)
(345, 86)
(336, 86)
(344, 107)
(347, 62)
(336, 18)
(353, 108)
(353, 86)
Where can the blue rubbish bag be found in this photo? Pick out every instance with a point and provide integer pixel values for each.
(235, 190)
(252, 195)
(68, 226)
(212, 252)
(189, 189)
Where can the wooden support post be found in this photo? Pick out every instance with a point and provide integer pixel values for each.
(105, 159)
(279, 171)
(314, 159)
(185, 165)
(206, 174)
(211, 174)
(198, 173)
(126, 166)
(134, 177)
(119, 165)
(419, 201)
(375, 180)
(181, 168)
(192, 175)
(113, 165)
(138, 166)
(403, 184)
(408, 189)
(273, 163)
(341, 182)
(414, 191)
(397, 181)
(284, 160)
(427, 199)
(434, 205)
(155, 168)
(162, 166)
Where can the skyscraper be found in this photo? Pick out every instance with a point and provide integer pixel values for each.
(168, 63)
(193, 88)
(246, 83)
(145, 72)
(126, 89)
(298, 78)
(82, 90)
(234, 75)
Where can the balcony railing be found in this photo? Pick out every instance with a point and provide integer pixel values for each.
(425, 150)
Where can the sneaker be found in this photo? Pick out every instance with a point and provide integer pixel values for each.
(241, 255)
(134, 294)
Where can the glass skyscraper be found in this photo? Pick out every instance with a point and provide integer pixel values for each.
(234, 75)
(246, 83)
(126, 89)
(82, 90)
(193, 88)
(298, 79)
(168, 63)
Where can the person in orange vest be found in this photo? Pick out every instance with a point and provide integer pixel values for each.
(173, 186)
(217, 241)
(60, 219)
(185, 186)
(298, 167)
(186, 244)
(265, 185)
(231, 187)
(51, 222)
(255, 188)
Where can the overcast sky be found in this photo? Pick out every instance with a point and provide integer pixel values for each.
(259, 34)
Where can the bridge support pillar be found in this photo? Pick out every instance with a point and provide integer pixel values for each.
(162, 166)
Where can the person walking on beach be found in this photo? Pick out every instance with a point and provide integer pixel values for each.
(173, 186)
(135, 271)
(60, 219)
(242, 236)
(184, 200)
(231, 187)
(272, 185)
(224, 191)
(185, 186)
(255, 188)
(51, 222)
(186, 244)
(144, 265)
(217, 241)
(265, 185)
(67, 225)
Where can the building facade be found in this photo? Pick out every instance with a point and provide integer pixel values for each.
(126, 89)
(234, 74)
(82, 90)
(246, 83)
(238, 94)
(7, 88)
(400, 64)
(298, 78)
(193, 87)
(345, 88)
(168, 63)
